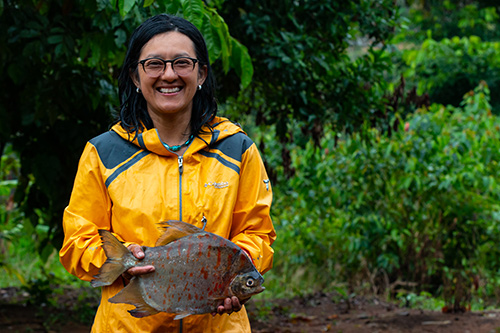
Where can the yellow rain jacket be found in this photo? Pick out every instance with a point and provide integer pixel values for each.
(128, 187)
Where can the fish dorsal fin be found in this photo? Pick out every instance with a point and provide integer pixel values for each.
(175, 230)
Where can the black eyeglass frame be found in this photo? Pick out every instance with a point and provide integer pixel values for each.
(165, 62)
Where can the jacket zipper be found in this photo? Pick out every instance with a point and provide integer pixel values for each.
(180, 160)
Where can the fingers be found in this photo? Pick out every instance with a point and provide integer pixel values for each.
(229, 305)
(140, 270)
(137, 270)
(235, 302)
(136, 251)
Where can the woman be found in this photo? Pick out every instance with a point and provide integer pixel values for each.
(168, 157)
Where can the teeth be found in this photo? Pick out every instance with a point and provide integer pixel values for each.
(169, 90)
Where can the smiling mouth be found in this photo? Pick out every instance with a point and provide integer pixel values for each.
(169, 90)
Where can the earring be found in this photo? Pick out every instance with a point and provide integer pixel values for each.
(199, 87)
(138, 90)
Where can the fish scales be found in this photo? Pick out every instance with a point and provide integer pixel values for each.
(198, 262)
(194, 271)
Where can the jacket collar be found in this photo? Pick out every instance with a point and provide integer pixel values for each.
(219, 129)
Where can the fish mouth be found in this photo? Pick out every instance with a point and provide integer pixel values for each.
(260, 289)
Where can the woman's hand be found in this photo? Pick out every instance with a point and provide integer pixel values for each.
(138, 270)
(229, 305)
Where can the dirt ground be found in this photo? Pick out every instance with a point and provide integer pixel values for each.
(315, 313)
(321, 313)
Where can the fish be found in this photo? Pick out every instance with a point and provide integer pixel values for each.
(194, 271)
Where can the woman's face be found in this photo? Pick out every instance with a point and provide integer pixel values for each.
(169, 93)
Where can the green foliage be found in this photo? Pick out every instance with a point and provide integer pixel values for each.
(57, 303)
(447, 19)
(419, 206)
(58, 69)
(10, 218)
(304, 75)
(378, 200)
(423, 300)
(447, 69)
(40, 290)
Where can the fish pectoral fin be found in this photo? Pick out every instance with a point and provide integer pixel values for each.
(131, 294)
(175, 230)
(143, 311)
(181, 315)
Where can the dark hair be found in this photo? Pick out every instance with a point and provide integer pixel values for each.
(133, 114)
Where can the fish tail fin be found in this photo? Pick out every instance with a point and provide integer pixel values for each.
(119, 260)
(131, 294)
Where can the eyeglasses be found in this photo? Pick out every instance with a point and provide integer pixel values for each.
(154, 67)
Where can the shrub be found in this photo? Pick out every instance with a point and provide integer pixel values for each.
(447, 69)
(418, 207)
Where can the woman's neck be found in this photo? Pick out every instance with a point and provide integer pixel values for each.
(173, 129)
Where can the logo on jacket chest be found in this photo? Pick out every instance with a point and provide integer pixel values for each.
(217, 185)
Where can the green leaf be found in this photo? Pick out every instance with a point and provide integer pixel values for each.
(120, 37)
(225, 45)
(193, 11)
(29, 33)
(148, 3)
(57, 39)
(58, 50)
(241, 62)
(125, 6)
(1, 7)
(173, 7)
(218, 33)
(211, 38)
(16, 73)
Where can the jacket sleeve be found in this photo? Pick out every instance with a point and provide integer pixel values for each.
(252, 228)
(88, 210)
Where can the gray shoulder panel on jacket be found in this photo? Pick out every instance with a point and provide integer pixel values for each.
(234, 146)
(113, 149)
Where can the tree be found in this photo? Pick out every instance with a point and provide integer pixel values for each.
(58, 69)
(447, 19)
(60, 60)
(450, 46)
(304, 75)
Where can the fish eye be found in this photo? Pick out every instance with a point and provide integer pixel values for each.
(250, 282)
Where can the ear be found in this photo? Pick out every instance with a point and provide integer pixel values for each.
(202, 74)
(135, 78)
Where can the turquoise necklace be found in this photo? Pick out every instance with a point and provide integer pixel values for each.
(176, 148)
